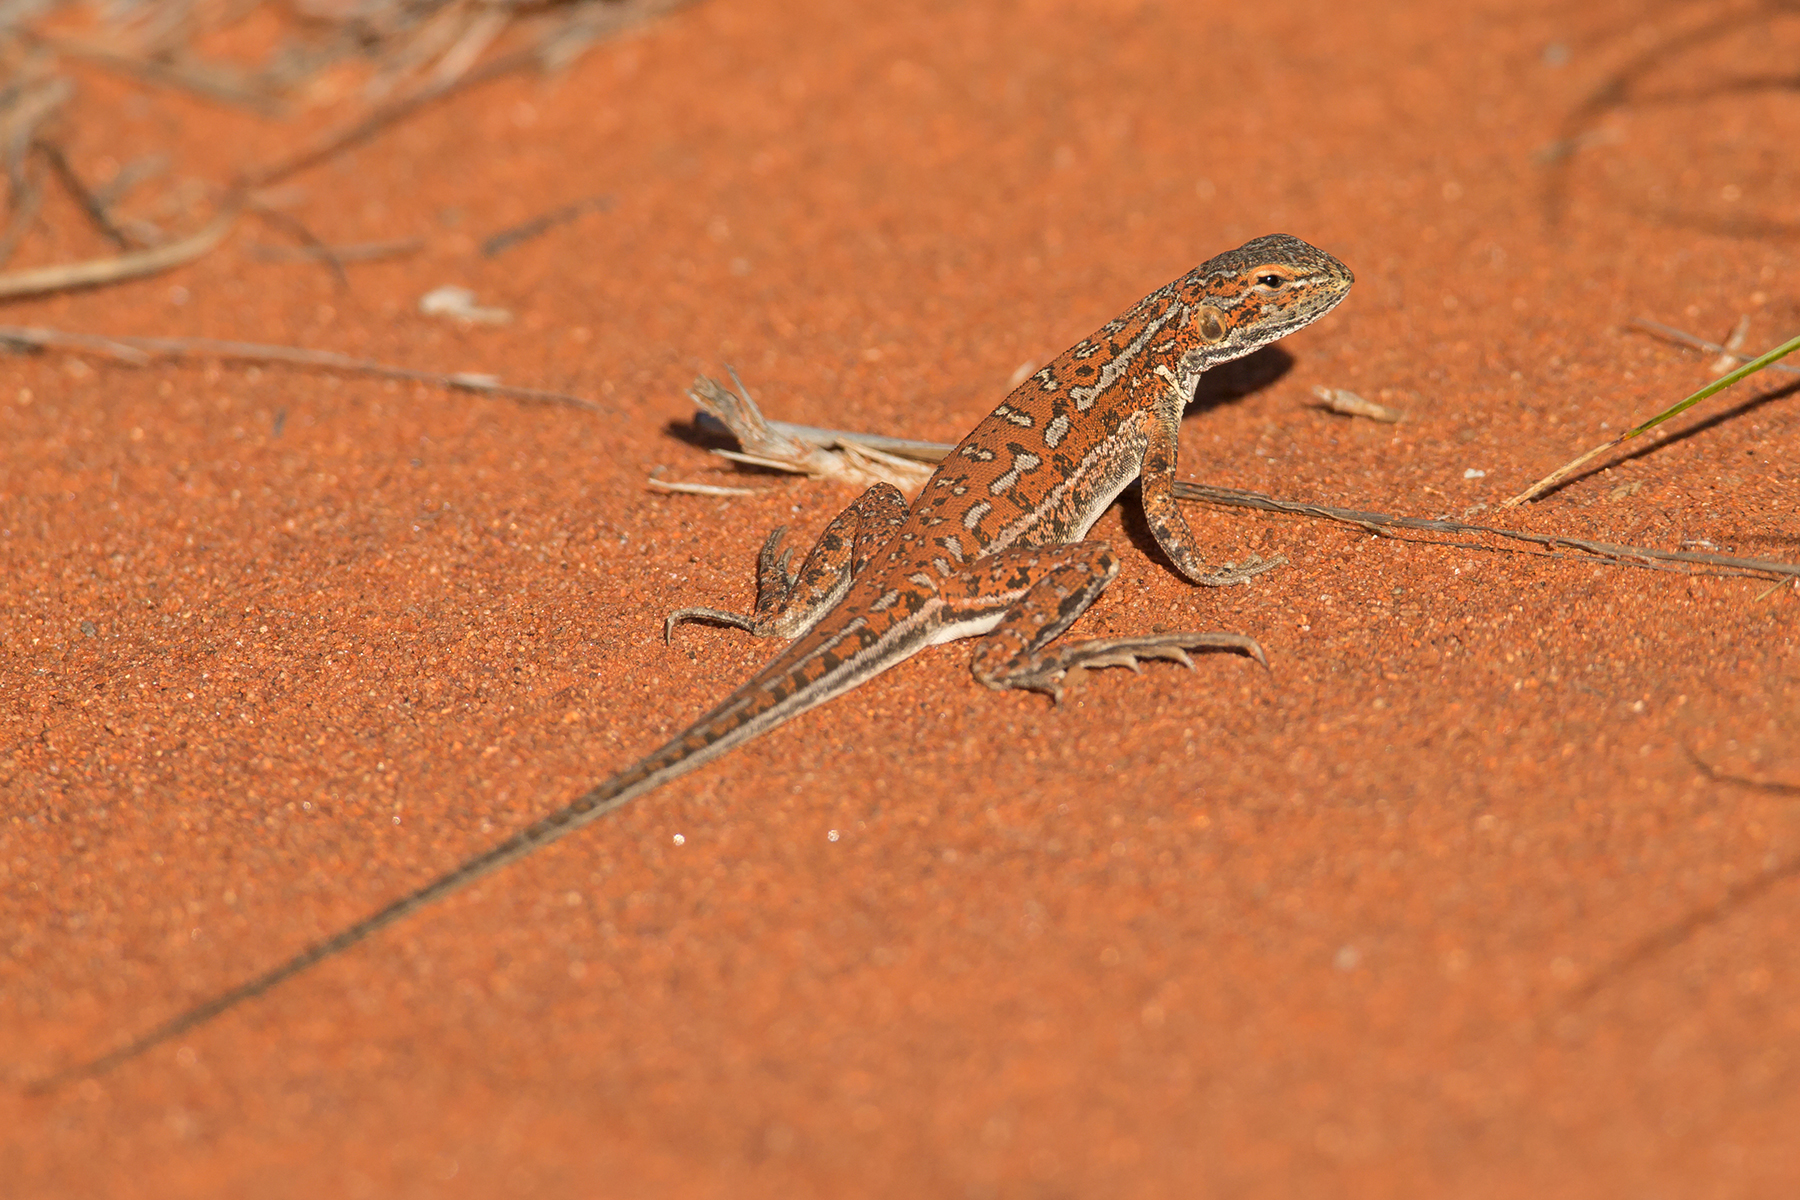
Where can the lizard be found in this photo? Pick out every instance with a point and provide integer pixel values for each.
(993, 546)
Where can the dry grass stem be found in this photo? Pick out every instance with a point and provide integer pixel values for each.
(422, 52)
(96, 272)
(1729, 357)
(1682, 338)
(794, 448)
(697, 489)
(139, 351)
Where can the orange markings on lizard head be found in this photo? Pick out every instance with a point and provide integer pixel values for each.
(1270, 286)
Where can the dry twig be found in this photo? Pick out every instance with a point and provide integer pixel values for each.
(1349, 404)
(1682, 338)
(809, 446)
(84, 196)
(97, 271)
(1378, 523)
(496, 244)
(857, 460)
(696, 489)
(140, 350)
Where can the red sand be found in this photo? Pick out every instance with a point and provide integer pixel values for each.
(1444, 906)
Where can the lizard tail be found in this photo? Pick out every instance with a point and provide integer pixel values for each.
(753, 709)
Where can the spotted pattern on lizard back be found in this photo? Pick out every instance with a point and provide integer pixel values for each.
(1068, 436)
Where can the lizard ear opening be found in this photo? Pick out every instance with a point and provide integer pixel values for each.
(1211, 324)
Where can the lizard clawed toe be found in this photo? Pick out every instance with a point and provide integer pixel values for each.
(716, 616)
(1229, 575)
(1173, 647)
(1057, 671)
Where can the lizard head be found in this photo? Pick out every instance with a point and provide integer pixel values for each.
(1247, 298)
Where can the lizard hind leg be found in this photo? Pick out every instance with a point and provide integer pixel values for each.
(789, 601)
(1058, 583)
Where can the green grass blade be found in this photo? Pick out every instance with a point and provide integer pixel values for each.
(1716, 386)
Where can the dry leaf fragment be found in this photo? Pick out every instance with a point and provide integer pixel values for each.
(1350, 404)
(458, 303)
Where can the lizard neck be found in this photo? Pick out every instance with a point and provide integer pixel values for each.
(1048, 460)
(1044, 465)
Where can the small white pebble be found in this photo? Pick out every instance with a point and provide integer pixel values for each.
(831, 835)
(1472, 473)
(680, 841)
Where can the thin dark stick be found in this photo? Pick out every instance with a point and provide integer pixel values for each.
(84, 196)
(1378, 522)
(321, 252)
(1609, 552)
(138, 350)
(498, 243)
(1672, 334)
(1672, 936)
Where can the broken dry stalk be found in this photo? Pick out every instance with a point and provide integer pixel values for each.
(97, 271)
(140, 350)
(1683, 338)
(1729, 358)
(1349, 404)
(738, 415)
(858, 461)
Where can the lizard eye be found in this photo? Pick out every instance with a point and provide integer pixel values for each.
(1272, 282)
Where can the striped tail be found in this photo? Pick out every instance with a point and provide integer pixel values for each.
(806, 674)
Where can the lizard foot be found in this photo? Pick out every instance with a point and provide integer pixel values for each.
(714, 616)
(1052, 670)
(1228, 575)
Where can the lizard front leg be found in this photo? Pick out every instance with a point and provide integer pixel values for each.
(1038, 592)
(788, 602)
(1157, 487)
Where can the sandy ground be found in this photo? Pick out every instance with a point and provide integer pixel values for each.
(1490, 888)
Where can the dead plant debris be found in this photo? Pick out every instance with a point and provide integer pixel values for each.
(836, 454)
(411, 55)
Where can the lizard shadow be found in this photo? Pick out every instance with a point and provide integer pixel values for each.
(1672, 936)
(1232, 381)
